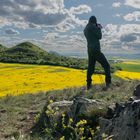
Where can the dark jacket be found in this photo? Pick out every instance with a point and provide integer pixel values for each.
(93, 34)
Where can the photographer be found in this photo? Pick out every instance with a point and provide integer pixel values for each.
(93, 34)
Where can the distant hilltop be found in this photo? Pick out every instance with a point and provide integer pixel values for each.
(27, 48)
(29, 53)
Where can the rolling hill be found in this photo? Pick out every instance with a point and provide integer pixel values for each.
(24, 51)
(29, 53)
(26, 48)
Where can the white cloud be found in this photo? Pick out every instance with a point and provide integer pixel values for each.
(135, 16)
(51, 36)
(116, 4)
(110, 30)
(11, 31)
(129, 28)
(65, 26)
(80, 9)
(35, 13)
(118, 15)
(116, 31)
(4, 22)
(133, 3)
(121, 37)
(63, 43)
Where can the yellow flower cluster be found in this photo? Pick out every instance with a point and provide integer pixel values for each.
(62, 138)
(63, 120)
(128, 75)
(21, 79)
(51, 111)
(81, 123)
(70, 120)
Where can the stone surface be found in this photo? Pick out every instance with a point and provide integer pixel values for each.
(122, 121)
(125, 124)
(83, 107)
(137, 92)
(75, 109)
(62, 105)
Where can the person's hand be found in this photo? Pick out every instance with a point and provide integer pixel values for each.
(99, 26)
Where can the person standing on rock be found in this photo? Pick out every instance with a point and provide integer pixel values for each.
(93, 35)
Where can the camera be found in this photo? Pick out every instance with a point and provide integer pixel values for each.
(99, 25)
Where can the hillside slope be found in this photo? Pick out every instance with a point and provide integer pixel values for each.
(26, 48)
(30, 53)
(25, 52)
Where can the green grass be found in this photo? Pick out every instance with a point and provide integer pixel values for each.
(129, 67)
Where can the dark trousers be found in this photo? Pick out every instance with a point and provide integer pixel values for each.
(92, 58)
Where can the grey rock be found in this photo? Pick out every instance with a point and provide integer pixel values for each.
(125, 125)
(136, 92)
(104, 123)
(63, 105)
(73, 109)
(84, 107)
(111, 111)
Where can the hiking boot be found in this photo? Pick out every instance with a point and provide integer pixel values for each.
(108, 85)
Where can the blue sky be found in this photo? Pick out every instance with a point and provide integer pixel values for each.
(57, 25)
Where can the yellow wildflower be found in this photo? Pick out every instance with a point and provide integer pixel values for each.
(63, 115)
(51, 101)
(104, 135)
(98, 128)
(70, 120)
(81, 122)
(62, 138)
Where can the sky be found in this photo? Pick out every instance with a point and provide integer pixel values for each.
(57, 25)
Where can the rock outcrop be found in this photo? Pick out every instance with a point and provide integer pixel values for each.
(84, 107)
(121, 122)
(125, 122)
(79, 108)
(136, 93)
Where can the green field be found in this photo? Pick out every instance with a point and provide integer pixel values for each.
(129, 67)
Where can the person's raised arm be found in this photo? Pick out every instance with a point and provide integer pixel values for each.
(98, 32)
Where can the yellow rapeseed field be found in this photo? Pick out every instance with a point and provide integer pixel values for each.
(20, 79)
(128, 75)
